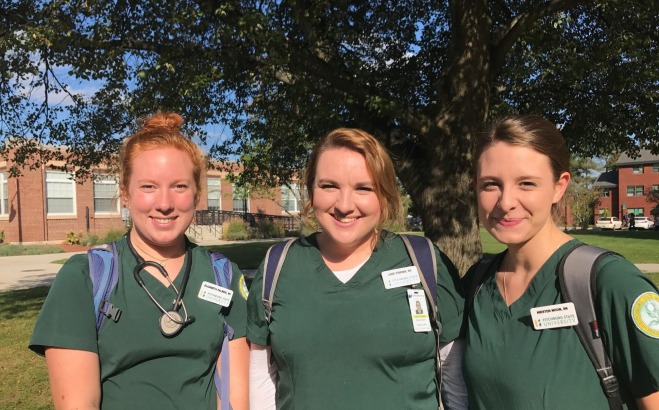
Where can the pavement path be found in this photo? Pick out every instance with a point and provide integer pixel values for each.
(24, 272)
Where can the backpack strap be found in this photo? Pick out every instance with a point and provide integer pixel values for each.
(104, 273)
(422, 253)
(274, 260)
(577, 271)
(475, 280)
(223, 275)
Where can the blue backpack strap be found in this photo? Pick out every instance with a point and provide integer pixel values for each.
(223, 275)
(274, 260)
(577, 273)
(104, 273)
(422, 254)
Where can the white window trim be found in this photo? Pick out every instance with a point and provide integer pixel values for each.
(75, 199)
(233, 197)
(116, 198)
(219, 186)
(4, 186)
(298, 200)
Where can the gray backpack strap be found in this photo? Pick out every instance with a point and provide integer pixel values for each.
(274, 260)
(576, 276)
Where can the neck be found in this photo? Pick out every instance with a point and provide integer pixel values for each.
(160, 254)
(339, 257)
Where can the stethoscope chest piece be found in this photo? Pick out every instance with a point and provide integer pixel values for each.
(168, 323)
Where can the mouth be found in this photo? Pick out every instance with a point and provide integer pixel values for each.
(163, 221)
(345, 219)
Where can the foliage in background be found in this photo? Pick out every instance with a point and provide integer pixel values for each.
(7, 249)
(580, 194)
(73, 238)
(234, 230)
(425, 76)
(2, 236)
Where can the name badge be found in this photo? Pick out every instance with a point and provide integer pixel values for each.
(396, 278)
(554, 316)
(419, 310)
(215, 294)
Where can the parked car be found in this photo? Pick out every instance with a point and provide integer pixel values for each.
(609, 222)
(643, 222)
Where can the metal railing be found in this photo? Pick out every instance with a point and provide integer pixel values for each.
(217, 218)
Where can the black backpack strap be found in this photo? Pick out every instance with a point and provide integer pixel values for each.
(577, 271)
(475, 279)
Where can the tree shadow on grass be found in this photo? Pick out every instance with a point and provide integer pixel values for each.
(22, 303)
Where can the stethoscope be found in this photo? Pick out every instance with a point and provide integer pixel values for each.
(171, 322)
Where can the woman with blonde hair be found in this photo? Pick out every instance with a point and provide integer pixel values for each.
(337, 337)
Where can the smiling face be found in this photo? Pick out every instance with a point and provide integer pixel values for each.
(344, 202)
(516, 189)
(161, 196)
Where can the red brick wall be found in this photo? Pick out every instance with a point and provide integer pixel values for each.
(627, 178)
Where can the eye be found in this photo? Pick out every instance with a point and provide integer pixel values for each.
(148, 187)
(528, 184)
(326, 185)
(489, 185)
(180, 187)
(365, 189)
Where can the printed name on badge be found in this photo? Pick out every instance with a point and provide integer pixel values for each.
(419, 310)
(396, 278)
(554, 316)
(215, 294)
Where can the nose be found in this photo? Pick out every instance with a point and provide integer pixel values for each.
(507, 199)
(165, 201)
(344, 202)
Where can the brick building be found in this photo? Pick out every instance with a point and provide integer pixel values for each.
(43, 205)
(625, 190)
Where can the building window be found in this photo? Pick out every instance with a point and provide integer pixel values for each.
(106, 194)
(60, 193)
(638, 169)
(635, 211)
(635, 190)
(605, 193)
(240, 198)
(655, 167)
(290, 198)
(655, 188)
(214, 203)
(4, 201)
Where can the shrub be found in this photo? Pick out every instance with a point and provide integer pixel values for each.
(92, 239)
(113, 235)
(2, 236)
(73, 238)
(234, 230)
(268, 229)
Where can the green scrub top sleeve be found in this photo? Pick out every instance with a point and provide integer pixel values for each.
(628, 300)
(237, 315)
(257, 327)
(450, 298)
(67, 316)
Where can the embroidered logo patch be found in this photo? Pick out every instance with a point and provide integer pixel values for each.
(243, 287)
(645, 312)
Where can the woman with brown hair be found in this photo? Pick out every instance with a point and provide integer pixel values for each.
(510, 362)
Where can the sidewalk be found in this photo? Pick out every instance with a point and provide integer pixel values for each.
(24, 272)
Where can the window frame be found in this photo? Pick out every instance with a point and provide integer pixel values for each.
(635, 189)
(209, 192)
(243, 195)
(69, 181)
(637, 169)
(291, 193)
(104, 179)
(4, 194)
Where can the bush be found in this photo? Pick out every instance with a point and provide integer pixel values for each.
(92, 239)
(234, 230)
(267, 229)
(113, 235)
(73, 238)
(2, 236)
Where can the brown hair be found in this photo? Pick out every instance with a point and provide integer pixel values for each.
(378, 164)
(162, 130)
(530, 131)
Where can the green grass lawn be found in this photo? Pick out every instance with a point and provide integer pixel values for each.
(25, 385)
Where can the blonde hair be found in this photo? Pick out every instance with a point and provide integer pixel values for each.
(162, 130)
(379, 166)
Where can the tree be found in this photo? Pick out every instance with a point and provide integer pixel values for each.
(580, 195)
(424, 76)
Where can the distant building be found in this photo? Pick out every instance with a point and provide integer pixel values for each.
(43, 205)
(625, 190)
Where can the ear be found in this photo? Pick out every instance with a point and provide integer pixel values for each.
(123, 195)
(561, 186)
